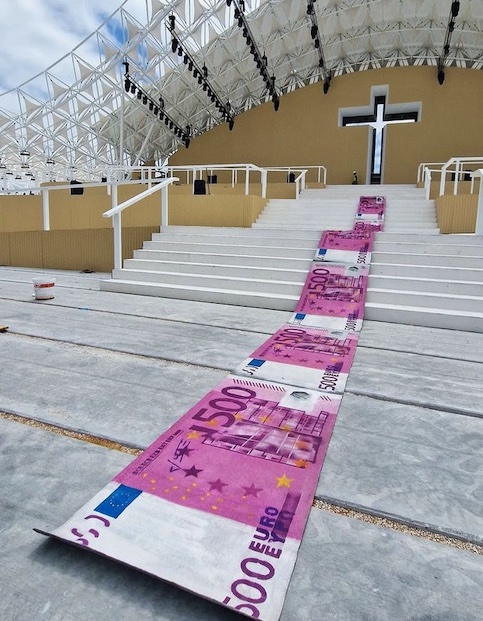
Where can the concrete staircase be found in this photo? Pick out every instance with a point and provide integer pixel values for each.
(417, 276)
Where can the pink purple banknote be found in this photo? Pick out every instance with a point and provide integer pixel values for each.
(218, 503)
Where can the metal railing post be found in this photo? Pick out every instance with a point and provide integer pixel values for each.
(45, 210)
(117, 229)
(264, 175)
(442, 182)
(479, 208)
(456, 177)
(164, 207)
(427, 182)
(247, 180)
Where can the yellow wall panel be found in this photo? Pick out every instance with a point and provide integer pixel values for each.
(457, 214)
(21, 213)
(5, 249)
(26, 249)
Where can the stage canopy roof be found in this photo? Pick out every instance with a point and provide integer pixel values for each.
(213, 61)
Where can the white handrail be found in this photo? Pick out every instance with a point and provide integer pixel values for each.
(135, 199)
(457, 162)
(479, 209)
(422, 169)
(116, 211)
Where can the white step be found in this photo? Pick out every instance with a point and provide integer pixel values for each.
(439, 272)
(414, 260)
(426, 285)
(428, 300)
(428, 317)
(227, 259)
(202, 294)
(233, 231)
(463, 240)
(253, 241)
(410, 247)
(239, 249)
(219, 269)
(189, 280)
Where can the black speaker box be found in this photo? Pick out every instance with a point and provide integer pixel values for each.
(76, 190)
(199, 186)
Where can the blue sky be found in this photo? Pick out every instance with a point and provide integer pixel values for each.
(34, 34)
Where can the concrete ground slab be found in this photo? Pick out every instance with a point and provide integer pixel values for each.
(123, 367)
(418, 465)
(346, 570)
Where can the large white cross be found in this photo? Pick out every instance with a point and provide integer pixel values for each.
(377, 117)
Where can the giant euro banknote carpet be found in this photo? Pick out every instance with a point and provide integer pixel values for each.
(218, 503)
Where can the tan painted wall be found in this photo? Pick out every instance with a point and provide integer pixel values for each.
(91, 248)
(70, 250)
(457, 214)
(305, 129)
(67, 212)
(204, 210)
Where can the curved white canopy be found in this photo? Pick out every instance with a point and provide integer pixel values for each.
(78, 113)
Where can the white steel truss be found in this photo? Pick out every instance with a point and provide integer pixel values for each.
(78, 116)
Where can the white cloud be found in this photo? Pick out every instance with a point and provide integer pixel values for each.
(34, 34)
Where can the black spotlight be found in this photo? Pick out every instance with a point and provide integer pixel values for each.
(172, 21)
(145, 99)
(441, 76)
(276, 104)
(313, 31)
(133, 88)
(139, 94)
(326, 86)
(127, 85)
(231, 124)
(174, 45)
(455, 8)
